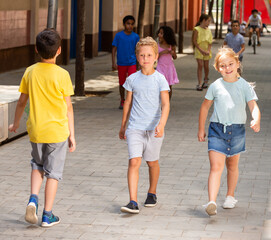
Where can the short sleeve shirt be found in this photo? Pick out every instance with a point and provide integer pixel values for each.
(254, 21)
(230, 100)
(47, 85)
(146, 106)
(126, 45)
(235, 42)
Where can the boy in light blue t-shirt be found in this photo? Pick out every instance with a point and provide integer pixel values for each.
(147, 103)
(124, 45)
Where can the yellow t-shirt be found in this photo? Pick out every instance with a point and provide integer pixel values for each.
(204, 39)
(47, 84)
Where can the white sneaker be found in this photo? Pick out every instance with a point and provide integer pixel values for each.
(211, 208)
(230, 202)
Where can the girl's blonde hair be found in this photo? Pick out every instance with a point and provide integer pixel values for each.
(148, 41)
(228, 52)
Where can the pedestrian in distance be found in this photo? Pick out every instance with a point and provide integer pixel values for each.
(167, 52)
(226, 136)
(50, 124)
(235, 40)
(202, 41)
(124, 45)
(147, 102)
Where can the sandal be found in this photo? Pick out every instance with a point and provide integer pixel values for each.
(205, 84)
(230, 202)
(199, 88)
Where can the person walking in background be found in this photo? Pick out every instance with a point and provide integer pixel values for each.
(235, 40)
(124, 45)
(226, 137)
(167, 52)
(202, 41)
(50, 124)
(147, 103)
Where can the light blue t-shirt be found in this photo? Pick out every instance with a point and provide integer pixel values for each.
(230, 101)
(126, 45)
(146, 107)
(235, 42)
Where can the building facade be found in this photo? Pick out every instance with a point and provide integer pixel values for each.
(22, 20)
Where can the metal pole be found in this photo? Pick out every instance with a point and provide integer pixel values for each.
(52, 14)
(181, 27)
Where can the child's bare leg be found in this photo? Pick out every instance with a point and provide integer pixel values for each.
(217, 162)
(133, 176)
(206, 69)
(170, 93)
(232, 173)
(122, 92)
(50, 193)
(154, 171)
(199, 71)
(36, 181)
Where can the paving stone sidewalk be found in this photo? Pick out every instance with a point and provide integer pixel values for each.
(95, 187)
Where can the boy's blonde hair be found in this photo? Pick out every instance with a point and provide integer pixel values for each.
(225, 51)
(148, 41)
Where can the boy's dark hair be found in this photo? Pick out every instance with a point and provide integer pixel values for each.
(254, 11)
(202, 17)
(128, 17)
(47, 43)
(235, 21)
(168, 35)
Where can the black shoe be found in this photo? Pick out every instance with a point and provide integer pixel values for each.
(151, 200)
(259, 44)
(130, 208)
(249, 42)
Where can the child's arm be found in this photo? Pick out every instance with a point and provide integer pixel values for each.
(72, 143)
(256, 115)
(125, 115)
(163, 52)
(205, 106)
(159, 130)
(241, 50)
(19, 112)
(173, 52)
(114, 65)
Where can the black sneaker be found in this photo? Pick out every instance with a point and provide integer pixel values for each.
(249, 42)
(151, 200)
(259, 44)
(130, 208)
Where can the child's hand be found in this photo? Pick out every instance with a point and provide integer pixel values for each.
(72, 144)
(12, 128)
(159, 131)
(201, 136)
(114, 67)
(255, 125)
(122, 134)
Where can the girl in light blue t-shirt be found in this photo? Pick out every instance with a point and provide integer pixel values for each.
(226, 136)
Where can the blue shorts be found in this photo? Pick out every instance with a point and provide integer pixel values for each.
(230, 143)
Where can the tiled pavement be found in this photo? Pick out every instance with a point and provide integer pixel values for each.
(95, 187)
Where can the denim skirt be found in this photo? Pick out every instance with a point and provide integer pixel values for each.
(228, 140)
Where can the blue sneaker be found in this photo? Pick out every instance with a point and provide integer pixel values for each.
(49, 221)
(32, 211)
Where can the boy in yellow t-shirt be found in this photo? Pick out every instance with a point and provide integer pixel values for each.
(50, 124)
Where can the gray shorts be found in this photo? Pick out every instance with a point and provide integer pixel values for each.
(143, 144)
(50, 158)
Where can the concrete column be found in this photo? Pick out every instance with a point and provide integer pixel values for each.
(66, 32)
(34, 21)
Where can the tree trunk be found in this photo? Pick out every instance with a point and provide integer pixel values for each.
(156, 18)
(221, 19)
(233, 9)
(210, 6)
(216, 22)
(80, 49)
(52, 14)
(203, 5)
(181, 27)
(140, 26)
